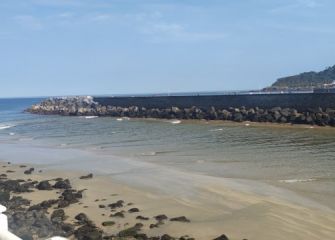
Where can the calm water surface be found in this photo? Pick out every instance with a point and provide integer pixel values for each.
(298, 158)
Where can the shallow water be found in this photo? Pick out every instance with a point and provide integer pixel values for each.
(298, 158)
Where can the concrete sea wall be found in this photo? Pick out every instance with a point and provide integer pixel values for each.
(300, 102)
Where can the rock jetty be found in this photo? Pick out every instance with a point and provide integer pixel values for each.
(86, 106)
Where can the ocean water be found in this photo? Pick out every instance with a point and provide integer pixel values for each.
(301, 159)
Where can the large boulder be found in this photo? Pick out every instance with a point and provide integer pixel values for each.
(44, 185)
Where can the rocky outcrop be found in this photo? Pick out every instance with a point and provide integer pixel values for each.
(83, 105)
(86, 106)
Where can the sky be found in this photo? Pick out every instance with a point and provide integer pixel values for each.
(96, 47)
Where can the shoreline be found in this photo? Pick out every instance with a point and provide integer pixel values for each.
(135, 172)
(231, 123)
(210, 205)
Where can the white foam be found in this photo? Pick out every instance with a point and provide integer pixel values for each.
(175, 122)
(90, 117)
(2, 127)
(26, 139)
(149, 154)
(123, 118)
(11, 134)
(216, 130)
(297, 180)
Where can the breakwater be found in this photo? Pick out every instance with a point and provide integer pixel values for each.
(299, 101)
(314, 109)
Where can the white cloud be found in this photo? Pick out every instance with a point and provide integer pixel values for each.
(164, 28)
(57, 2)
(305, 29)
(295, 5)
(162, 32)
(101, 18)
(154, 26)
(66, 15)
(309, 3)
(29, 22)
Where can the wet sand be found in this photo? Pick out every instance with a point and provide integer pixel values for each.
(214, 206)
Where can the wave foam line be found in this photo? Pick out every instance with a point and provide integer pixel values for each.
(297, 180)
(2, 127)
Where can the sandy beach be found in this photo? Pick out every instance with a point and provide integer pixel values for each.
(214, 207)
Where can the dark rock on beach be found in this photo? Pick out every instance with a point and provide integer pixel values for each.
(29, 171)
(222, 237)
(141, 236)
(14, 186)
(66, 229)
(161, 217)
(57, 216)
(118, 214)
(44, 204)
(44, 185)
(17, 203)
(62, 184)
(132, 231)
(154, 225)
(71, 196)
(86, 176)
(108, 223)
(133, 210)
(31, 223)
(88, 232)
(142, 218)
(180, 219)
(82, 218)
(166, 237)
(4, 196)
(63, 204)
(117, 204)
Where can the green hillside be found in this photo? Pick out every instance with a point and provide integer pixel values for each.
(307, 79)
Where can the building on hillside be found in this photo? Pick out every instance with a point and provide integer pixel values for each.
(327, 88)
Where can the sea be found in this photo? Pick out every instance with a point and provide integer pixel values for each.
(299, 159)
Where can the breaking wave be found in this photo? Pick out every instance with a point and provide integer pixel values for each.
(297, 180)
(175, 122)
(90, 117)
(216, 130)
(5, 126)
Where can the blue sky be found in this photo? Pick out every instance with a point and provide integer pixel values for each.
(66, 47)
